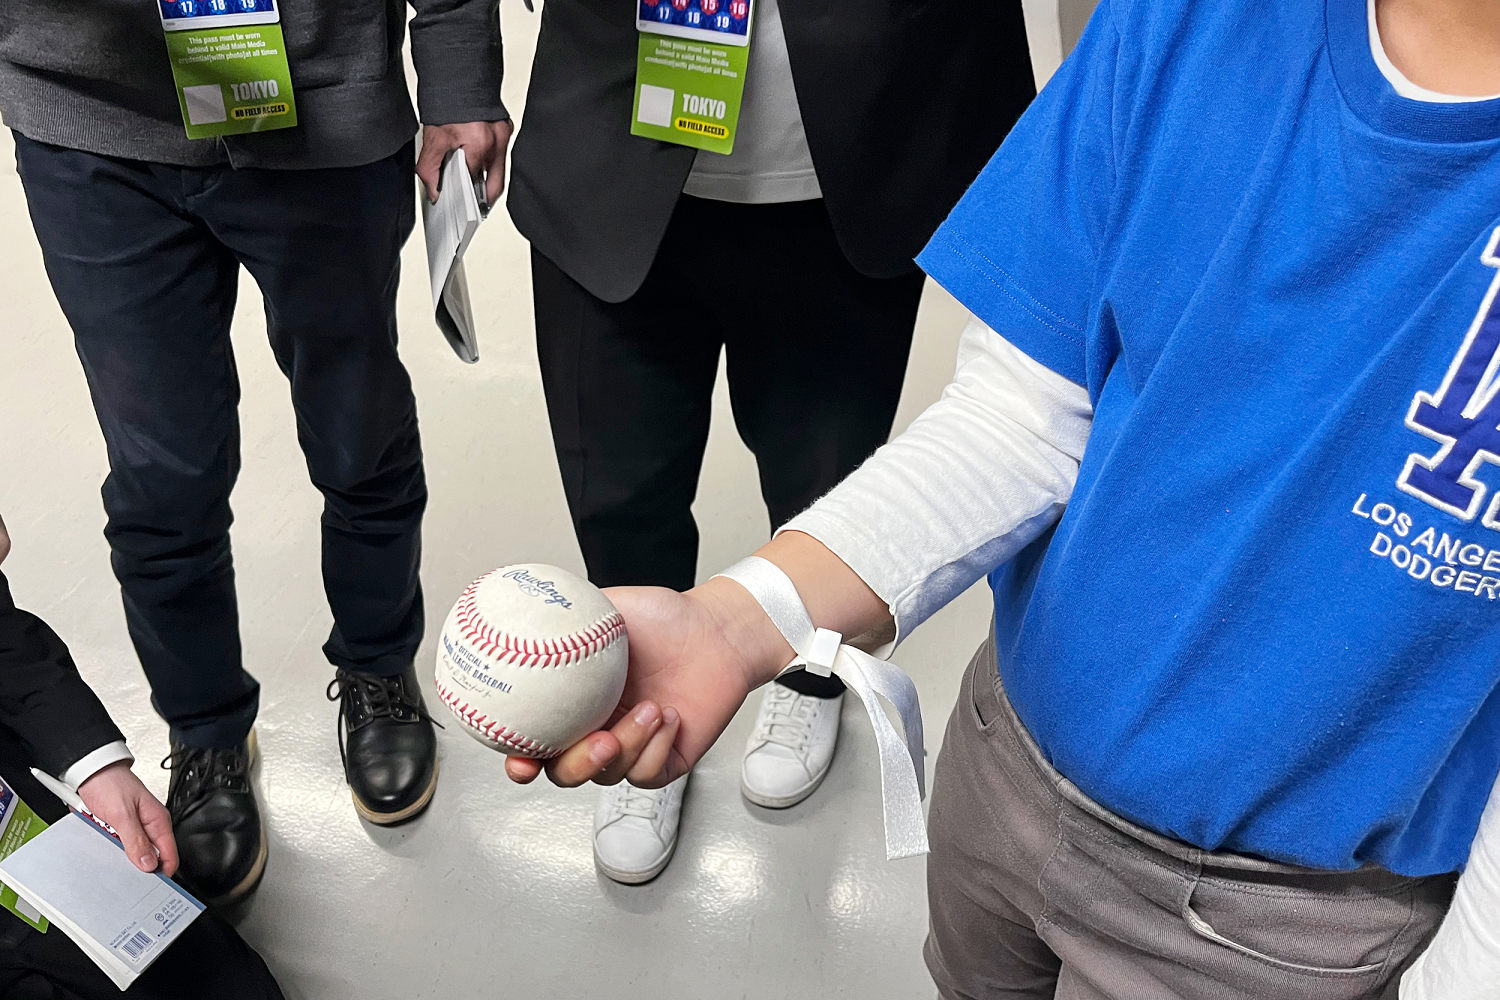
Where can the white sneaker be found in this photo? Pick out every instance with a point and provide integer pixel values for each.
(788, 754)
(635, 830)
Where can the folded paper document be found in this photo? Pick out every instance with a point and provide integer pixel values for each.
(450, 224)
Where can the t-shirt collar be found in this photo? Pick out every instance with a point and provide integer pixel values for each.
(1374, 99)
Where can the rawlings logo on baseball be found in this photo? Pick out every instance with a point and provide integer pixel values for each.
(537, 588)
(531, 677)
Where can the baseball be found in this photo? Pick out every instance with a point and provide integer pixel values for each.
(531, 659)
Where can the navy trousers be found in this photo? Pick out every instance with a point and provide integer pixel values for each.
(144, 259)
(210, 960)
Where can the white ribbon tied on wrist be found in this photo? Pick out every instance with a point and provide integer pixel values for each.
(822, 651)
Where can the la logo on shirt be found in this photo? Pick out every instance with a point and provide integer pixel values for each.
(1463, 416)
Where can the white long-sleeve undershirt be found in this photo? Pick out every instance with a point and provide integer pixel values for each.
(983, 472)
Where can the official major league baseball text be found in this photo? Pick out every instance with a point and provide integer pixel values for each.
(472, 665)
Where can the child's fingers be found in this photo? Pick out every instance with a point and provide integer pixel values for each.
(584, 760)
(522, 770)
(635, 732)
(650, 769)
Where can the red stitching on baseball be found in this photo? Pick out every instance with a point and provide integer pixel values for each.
(519, 652)
(491, 730)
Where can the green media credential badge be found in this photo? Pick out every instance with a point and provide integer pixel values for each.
(18, 824)
(230, 65)
(690, 71)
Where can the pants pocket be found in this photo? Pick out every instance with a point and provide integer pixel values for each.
(1317, 925)
(981, 696)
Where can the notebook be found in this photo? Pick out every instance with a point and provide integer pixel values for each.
(77, 877)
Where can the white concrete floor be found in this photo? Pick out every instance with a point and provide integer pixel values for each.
(494, 889)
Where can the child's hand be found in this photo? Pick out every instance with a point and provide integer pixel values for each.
(116, 796)
(693, 661)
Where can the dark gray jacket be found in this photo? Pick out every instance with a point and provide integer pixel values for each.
(93, 75)
(903, 102)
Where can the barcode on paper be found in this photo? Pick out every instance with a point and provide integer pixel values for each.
(137, 944)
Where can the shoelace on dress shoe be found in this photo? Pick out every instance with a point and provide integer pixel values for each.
(367, 698)
(198, 771)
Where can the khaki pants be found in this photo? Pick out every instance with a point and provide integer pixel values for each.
(1037, 892)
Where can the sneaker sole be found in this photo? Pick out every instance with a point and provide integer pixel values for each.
(400, 815)
(627, 876)
(248, 884)
(783, 801)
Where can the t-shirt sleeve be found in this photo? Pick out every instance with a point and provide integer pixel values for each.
(1021, 250)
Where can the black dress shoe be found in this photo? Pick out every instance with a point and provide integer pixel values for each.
(221, 840)
(387, 743)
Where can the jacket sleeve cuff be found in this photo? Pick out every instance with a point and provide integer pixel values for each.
(448, 111)
(91, 764)
(459, 61)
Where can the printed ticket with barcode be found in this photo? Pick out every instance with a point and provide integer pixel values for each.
(78, 876)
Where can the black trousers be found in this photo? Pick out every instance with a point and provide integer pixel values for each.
(144, 260)
(209, 962)
(816, 355)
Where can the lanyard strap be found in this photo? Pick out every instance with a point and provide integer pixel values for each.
(822, 651)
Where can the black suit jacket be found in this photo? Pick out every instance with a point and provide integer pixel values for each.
(49, 718)
(903, 101)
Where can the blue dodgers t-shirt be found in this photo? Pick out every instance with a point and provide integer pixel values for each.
(1269, 620)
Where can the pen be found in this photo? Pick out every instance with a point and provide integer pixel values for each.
(70, 799)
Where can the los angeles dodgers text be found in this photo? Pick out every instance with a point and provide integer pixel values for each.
(1429, 555)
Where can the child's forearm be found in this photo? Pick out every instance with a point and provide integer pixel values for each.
(977, 476)
(835, 596)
